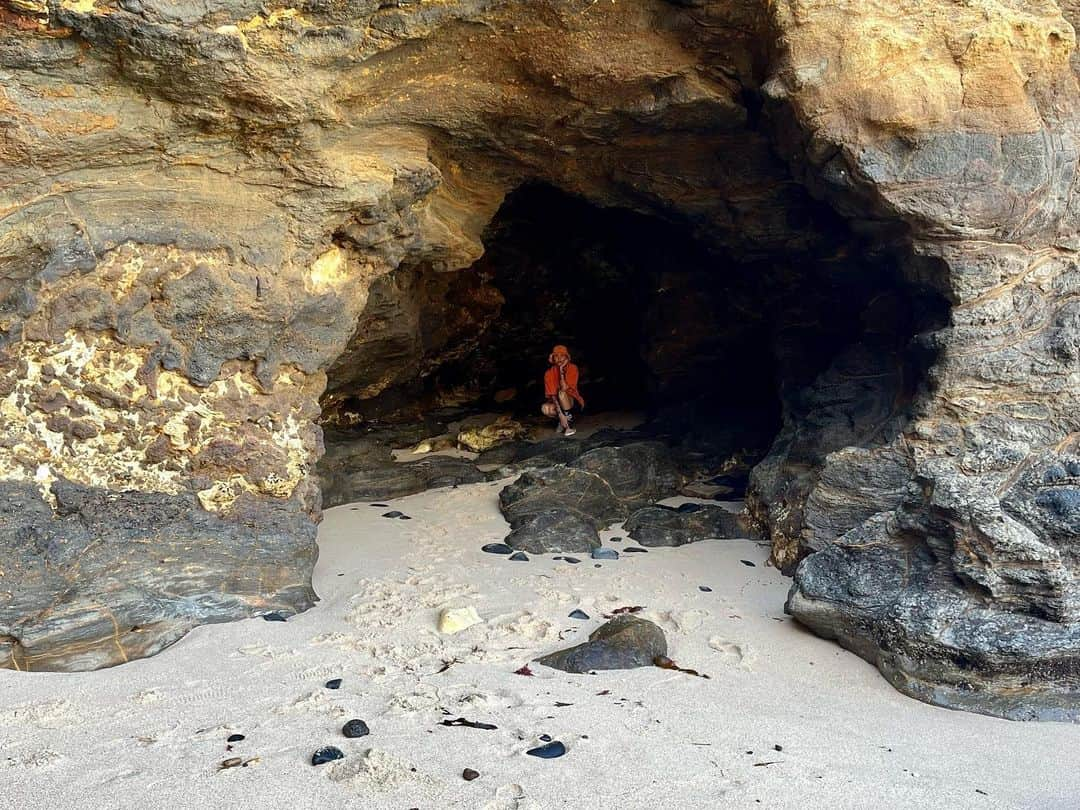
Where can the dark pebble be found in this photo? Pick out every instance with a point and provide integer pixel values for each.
(497, 548)
(580, 614)
(355, 728)
(605, 554)
(636, 550)
(615, 540)
(572, 560)
(469, 774)
(381, 505)
(778, 748)
(747, 562)
(327, 754)
(273, 617)
(333, 683)
(545, 738)
(549, 751)
(405, 517)
(392, 514)
(519, 556)
(235, 738)
(704, 588)
(689, 508)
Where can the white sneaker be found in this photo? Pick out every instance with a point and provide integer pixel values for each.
(569, 432)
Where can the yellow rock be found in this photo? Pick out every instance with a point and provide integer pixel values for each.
(454, 620)
(498, 432)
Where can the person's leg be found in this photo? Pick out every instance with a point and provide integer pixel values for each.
(549, 409)
(566, 402)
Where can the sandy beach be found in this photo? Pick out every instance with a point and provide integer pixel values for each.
(784, 720)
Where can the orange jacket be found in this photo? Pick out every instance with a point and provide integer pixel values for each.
(551, 383)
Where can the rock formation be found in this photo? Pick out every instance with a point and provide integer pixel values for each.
(208, 208)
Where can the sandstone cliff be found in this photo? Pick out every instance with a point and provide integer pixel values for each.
(202, 204)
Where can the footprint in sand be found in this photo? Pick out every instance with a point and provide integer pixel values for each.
(731, 653)
(687, 621)
(51, 714)
(31, 759)
(378, 770)
(507, 797)
(148, 696)
(314, 703)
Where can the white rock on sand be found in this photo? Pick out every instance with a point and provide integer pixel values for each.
(786, 720)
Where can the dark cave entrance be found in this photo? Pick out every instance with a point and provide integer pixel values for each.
(715, 347)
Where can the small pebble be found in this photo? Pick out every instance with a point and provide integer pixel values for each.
(469, 774)
(497, 548)
(704, 588)
(273, 617)
(519, 556)
(545, 738)
(235, 738)
(605, 554)
(615, 540)
(572, 560)
(597, 565)
(333, 683)
(393, 514)
(549, 751)
(405, 517)
(381, 505)
(636, 550)
(580, 614)
(747, 562)
(689, 508)
(327, 754)
(355, 728)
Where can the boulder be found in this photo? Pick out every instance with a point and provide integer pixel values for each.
(561, 489)
(666, 526)
(625, 642)
(555, 532)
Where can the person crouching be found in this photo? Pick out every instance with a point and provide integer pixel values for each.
(561, 390)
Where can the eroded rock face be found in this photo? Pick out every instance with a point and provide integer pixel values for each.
(198, 199)
(962, 586)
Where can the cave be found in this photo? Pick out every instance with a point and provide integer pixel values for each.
(707, 350)
(277, 289)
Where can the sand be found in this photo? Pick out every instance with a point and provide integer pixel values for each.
(786, 719)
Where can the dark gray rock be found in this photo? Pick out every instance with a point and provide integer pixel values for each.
(561, 489)
(132, 552)
(551, 750)
(553, 532)
(663, 526)
(605, 554)
(639, 473)
(361, 468)
(355, 728)
(625, 642)
(326, 754)
(930, 637)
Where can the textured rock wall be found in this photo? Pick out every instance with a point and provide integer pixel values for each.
(196, 199)
(957, 574)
